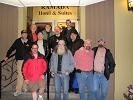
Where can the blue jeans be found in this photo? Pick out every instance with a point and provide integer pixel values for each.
(100, 86)
(61, 80)
(85, 79)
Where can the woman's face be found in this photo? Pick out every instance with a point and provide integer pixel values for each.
(40, 36)
(73, 36)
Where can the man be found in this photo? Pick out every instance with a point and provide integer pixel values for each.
(22, 46)
(104, 65)
(84, 70)
(48, 31)
(74, 44)
(42, 44)
(67, 31)
(53, 40)
(61, 64)
(33, 70)
(32, 35)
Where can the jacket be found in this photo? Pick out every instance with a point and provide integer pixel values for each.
(45, 46)
(46, 34)
(67, 62)
(109, 62)
(53, 40)
(21, 49)
(75, 45)
(33, 69)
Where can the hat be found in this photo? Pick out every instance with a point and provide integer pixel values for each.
(101, 40)
(23, 31)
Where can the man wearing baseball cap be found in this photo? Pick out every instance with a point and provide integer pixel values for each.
(22, 47)
(104, 65)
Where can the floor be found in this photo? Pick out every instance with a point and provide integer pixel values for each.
(27, 96)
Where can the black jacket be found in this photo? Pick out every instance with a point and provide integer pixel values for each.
(67, 33)
(109, 62)
(53, 40)
(21, 49)
(30, 37)
(46, 49)
(73, 46)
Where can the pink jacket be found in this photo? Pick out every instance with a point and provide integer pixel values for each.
(84, 59)
(34, 69)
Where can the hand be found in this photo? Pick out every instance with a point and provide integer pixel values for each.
(26, 81)
(6, 58)
(42, 76)
(67, 73)
(52, 74)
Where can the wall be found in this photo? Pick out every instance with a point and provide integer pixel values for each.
(22, 20)
(82, 22)
(123, 48)
(8, 27)
(100, 24)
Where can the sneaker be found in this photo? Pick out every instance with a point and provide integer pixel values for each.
(40, 97)
(25, 90)
(17, 93)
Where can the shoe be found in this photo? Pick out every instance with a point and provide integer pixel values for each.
(40, 97)
(25, 90)
(17, 94)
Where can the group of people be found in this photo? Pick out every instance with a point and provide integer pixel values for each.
(66, 56)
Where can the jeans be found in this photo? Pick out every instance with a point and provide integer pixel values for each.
(85, 79)
(100, 86)
(61, 80)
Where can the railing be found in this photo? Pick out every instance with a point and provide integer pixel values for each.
(7, 73)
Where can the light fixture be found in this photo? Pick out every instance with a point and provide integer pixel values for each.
(130, 5)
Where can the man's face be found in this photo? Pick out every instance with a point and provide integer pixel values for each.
(61, 49)
(57, 30)
(33, 28)
(34, 49)
(47, 28)
(24, 35)
(40, 36)
(68, 23)
(87, 45)
(101, 44)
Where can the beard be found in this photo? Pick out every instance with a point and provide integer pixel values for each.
(100, 46)
(88, 48)
(61, 51)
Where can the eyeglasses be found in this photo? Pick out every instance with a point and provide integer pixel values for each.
(34, 48)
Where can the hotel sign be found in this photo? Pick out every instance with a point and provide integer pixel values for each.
(55, 12)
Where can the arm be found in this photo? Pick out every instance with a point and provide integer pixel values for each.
(25, 70)
(11, 49)
(76, 59)
(71, 62)
(111, 62)
(44, 67)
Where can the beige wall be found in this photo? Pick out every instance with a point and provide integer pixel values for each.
(8, 27)
(82, 22)
(100, 24)
(22, 20)
(123, 48)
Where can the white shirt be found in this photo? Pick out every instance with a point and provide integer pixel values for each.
(40, 47)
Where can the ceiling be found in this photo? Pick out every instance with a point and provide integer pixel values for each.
(30, 3)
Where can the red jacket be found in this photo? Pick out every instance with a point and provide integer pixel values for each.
(34, 69)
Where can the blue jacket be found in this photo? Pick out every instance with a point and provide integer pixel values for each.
(67, 62)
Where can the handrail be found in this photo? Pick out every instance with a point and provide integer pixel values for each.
(5, 78)
(7, 59)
